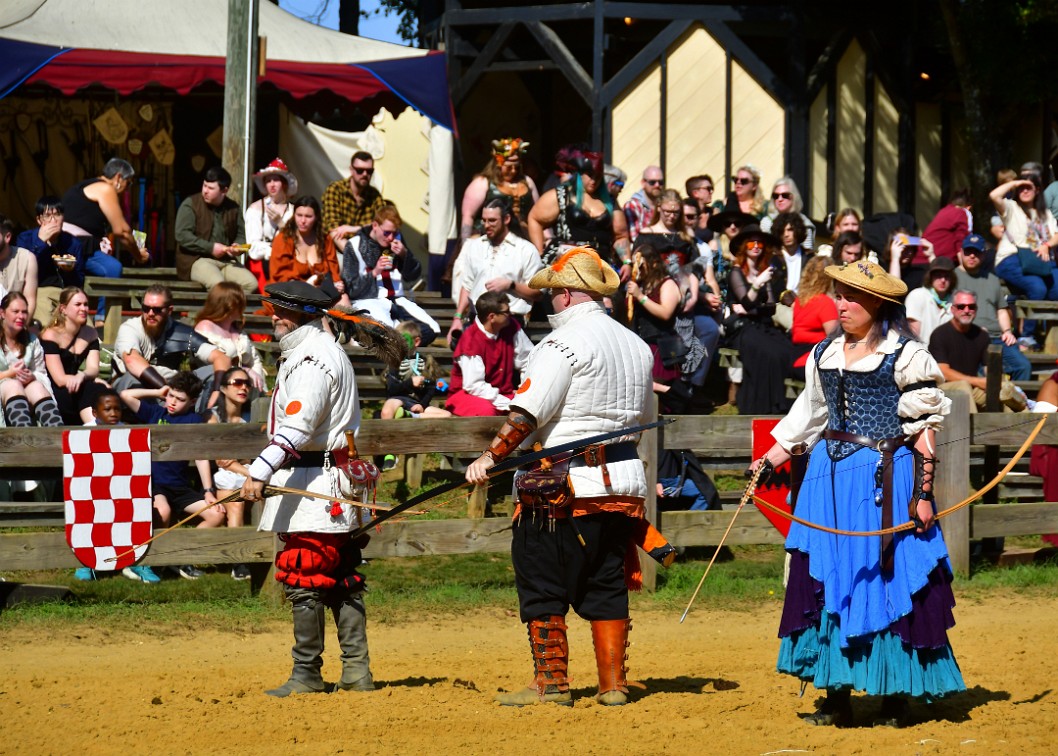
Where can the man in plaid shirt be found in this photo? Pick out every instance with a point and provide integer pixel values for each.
(350, 204)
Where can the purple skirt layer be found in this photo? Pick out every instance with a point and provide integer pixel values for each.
(926, 626)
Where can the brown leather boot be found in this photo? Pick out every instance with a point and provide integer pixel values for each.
(547, 641)
(611, 639)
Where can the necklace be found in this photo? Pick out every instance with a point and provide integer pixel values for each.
(853, 344)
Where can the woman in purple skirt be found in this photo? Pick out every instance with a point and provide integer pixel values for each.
(867, 613)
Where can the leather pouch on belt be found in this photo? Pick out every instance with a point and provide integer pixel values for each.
(545, 484)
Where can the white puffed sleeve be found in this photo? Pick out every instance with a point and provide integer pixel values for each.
(807, 419)
(922, 403)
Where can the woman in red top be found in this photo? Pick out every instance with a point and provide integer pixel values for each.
(814, 312)
(302, 252)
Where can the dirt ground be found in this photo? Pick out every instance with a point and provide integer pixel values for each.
(710, 687)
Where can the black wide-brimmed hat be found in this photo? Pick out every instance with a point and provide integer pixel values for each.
(720, 221)
(297, 295)
(753, 233)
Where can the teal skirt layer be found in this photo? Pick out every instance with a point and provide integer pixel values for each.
(883, 665)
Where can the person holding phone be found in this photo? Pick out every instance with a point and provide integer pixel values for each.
(1024, 258)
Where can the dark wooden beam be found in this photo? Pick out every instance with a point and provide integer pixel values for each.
(868, 137)
(462, 87)
(598, 105)
(638, 11)
(667, 12)
(745, 55)
(797, 112)
(728, 152)
(491, 16)
(521, 65)
(820, 73)
(832, 140)
(643, 59)
(663, 130)
(567, 63)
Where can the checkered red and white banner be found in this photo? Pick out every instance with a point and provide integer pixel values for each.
(107, 489)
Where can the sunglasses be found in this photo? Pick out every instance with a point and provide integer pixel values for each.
(970, 307)
(240, 382)
(654, 182)
(690, 216)
(754, 245)
(967, 251)
(706, 187)
(155, 310)
(743, 181)
(363, 171)
(782, 195)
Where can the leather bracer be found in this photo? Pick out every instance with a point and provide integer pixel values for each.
(515, 429)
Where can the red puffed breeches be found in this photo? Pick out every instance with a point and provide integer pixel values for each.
(310, 560)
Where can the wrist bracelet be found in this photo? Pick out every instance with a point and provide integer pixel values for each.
(643, 301)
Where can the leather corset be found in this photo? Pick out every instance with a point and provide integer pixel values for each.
(861, 403)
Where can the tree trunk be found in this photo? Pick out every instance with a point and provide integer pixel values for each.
(982, 138)
(349, 16)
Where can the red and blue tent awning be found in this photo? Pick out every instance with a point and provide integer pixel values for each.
(420, 82)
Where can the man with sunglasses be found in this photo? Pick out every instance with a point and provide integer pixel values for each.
(960, 347)
(993, 312)
(349, 204)
(150, 349)
(640, 209)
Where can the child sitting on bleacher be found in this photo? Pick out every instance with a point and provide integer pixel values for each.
(412, 387)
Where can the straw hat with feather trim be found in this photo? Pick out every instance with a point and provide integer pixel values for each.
(580, 268)
(869, 277)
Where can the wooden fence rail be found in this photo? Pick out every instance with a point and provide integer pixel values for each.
(723, 441)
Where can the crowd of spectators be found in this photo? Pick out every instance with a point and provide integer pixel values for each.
(743, 271)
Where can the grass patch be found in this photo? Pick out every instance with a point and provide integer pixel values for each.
(743, 578)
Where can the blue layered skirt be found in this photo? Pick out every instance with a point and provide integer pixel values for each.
(845, 623)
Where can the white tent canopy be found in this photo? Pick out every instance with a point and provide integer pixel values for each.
(181, 27)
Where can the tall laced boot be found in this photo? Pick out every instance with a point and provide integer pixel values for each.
(350, 618)
(307, 651)
(611, 639)
(550, 648)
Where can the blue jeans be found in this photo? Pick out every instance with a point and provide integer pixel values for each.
(708, 332)
(687, 491)
(1030, 287)
(105, 266)
(1015, 364)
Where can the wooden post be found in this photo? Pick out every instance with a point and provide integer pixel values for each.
(413, 470)
(648, 450)
(477, 500)
(953, 480)
(240, 95)
(994, 381)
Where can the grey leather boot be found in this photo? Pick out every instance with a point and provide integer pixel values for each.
(350, 618)
(307, 651)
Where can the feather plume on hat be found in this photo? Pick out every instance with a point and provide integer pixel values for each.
(381, 341)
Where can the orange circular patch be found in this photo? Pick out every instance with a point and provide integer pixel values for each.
(524, 387)
(293, 408)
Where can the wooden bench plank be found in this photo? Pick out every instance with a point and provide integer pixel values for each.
(994, 520)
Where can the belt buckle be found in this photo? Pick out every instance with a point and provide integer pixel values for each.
(593, 456)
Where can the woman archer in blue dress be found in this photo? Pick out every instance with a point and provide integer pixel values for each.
(867, 613)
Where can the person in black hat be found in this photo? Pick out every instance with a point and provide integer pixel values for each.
(314, 417)
(930, 304)
(758, 278)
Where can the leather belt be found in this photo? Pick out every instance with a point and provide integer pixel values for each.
(884, 444)
(319, 458)
(887, 447)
